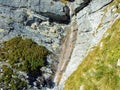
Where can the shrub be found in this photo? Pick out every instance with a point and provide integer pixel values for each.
(24, 54)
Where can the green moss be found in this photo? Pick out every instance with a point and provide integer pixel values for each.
(99, 70)
(24, 54)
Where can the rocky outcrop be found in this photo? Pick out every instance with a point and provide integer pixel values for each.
(21, 22)
(47, 8)
(92, 21)
(36, 20)
(93, 5)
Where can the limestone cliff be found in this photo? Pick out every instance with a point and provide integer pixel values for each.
(93, 20)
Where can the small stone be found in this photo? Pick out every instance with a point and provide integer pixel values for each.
(45, 23)
(34, 83)
(118, 62)
(53, 30)
(114, 9)
(82, 87)
(55, 46)
(34, 25)
(1, 70)
(119, 5)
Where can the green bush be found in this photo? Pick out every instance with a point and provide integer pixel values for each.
(24, 54)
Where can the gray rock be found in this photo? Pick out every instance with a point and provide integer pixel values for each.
(98, 4)
(15, 21)
(14, 3)
(48, 8)
(20, 16)
(89, 32)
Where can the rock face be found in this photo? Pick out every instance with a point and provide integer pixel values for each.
(24, 17)
(36, 20)
(92, 21)
(47, 8)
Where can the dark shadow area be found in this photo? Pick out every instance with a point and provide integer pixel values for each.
(60, 21)
(64, 19)
(49, 83)
(71, 0)
(82, 5)
(30, 21)
(41, 82)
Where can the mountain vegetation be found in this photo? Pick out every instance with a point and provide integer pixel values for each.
(24, 55)
(100, 69)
